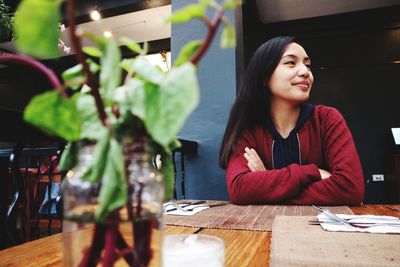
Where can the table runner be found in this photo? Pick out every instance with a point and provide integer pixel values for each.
(246, 217)
(296, 243)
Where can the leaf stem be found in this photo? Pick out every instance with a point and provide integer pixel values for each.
(92, 254)
(206, 21)
(212, 29)
(110, 241)
(25, 60)
(90, 78)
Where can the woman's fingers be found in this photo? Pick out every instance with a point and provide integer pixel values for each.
(254, 161)
(324, 174)
(248, 157)
(250, 162)
(251, 166)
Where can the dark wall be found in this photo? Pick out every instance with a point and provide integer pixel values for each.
(18, 84)
(353, 59)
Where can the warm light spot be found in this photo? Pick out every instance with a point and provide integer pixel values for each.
(95, 15)
(107, 34)
(396, 62)
(70, 174)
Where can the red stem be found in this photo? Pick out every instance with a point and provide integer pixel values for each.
(212, 29)
(90, 78)
(25, 60)
(92, 254)
(125, 250)
(139, 201)
(110, 242)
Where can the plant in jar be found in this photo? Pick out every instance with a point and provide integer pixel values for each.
(116, 114)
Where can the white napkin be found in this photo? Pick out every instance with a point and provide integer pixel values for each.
(168, 206)
(385, 228)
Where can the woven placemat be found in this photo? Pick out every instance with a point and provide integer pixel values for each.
(296, 243)
(249, 217)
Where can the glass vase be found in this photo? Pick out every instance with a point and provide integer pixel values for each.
(131, 235)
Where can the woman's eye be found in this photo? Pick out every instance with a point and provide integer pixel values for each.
(308, 66)
(290, 63)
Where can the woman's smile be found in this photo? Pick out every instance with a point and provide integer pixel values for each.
(303, 85)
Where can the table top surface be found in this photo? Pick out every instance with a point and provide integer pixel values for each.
(242, 248)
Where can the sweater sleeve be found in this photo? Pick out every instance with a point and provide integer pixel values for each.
(270, 186)
(346, 184)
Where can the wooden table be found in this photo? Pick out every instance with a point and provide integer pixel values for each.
(242, 248)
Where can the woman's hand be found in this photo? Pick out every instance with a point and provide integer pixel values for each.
(324, 174)
(253, 160)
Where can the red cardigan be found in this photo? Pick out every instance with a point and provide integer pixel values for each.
(325, 142)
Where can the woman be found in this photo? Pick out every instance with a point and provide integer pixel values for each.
(279, 149)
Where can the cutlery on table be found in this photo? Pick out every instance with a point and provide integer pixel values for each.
(393, 208)
(331, 216)
(338, 220)
(356, 224)
(206, 205)
(180, 206)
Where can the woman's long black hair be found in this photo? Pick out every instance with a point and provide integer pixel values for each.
(251, 106)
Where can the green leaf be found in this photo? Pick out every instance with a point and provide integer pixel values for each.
(110, 74)
(75, 77)
(175, 144)
(147, 71)
(232, 4)
(92, 51)
(132, 95)
(93, 66)
(132, 45)
(167, 171)
(145, 48)
(114, 189)
(212, 3)
(187, 13)
(54, 114)
(95, 172)
(187, 52)
(69, 157)
(205, 2)
(127, 64)
(85, 89)
(167, 110)
(36, 25)
(96, 39)
(228, 37)
(91, 128)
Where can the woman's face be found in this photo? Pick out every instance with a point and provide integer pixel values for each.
(292, 79)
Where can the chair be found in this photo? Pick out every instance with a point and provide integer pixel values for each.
(34, 203)
(188, 148)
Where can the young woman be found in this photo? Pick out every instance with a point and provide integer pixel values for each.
(279, 149)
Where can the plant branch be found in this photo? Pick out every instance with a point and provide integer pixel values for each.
(25, 60)
(206, 21)
(212, 29)
(90, 78)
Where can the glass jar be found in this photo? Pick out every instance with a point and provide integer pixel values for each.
(129, 236)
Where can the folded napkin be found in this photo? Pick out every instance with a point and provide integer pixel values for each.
(376, 224)
(171, 210)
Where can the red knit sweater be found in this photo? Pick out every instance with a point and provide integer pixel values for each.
(325, 142)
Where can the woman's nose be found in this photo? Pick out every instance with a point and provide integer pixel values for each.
(303, 70)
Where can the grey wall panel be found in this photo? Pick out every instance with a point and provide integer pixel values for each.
(217, 78)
